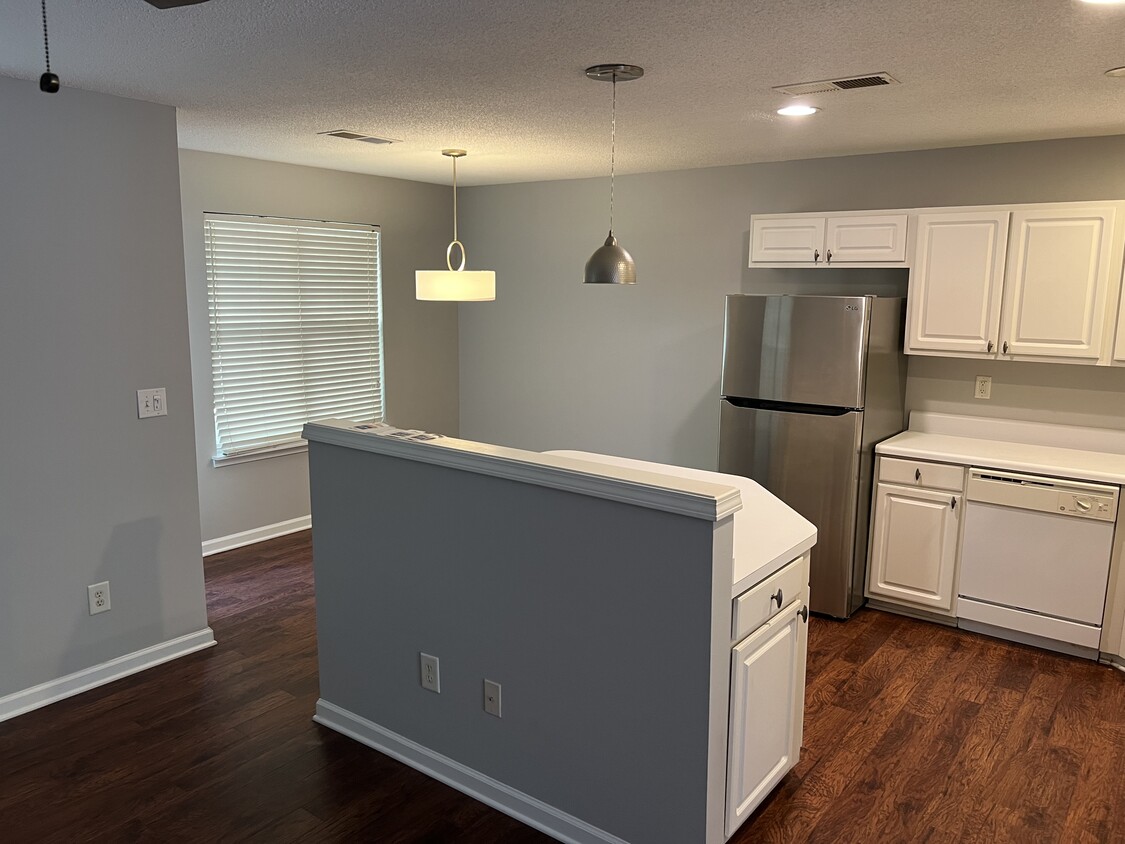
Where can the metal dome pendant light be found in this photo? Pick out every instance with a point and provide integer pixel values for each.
(610, 264)
(455, 285)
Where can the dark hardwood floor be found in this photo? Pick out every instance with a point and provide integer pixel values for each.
(913, 732)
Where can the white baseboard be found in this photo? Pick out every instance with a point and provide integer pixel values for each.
(249, 537)
(522, 807)
(98, 675)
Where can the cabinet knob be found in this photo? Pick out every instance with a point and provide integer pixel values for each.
(917, 474)
(828, 257)
(779, 597)
(804, 614)
(990, 344)
(815, 255)
(1005, 349)
(953, 503)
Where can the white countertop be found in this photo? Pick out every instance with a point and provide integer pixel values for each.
(644, 487)
(1030, 447)
(767, 533)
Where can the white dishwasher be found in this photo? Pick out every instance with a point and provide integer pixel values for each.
(1035, 556)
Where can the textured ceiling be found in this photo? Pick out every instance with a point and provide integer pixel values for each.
(504, 78)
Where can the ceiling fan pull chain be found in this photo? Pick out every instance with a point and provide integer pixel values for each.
(48, 82)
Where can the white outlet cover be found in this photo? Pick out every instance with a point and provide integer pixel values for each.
(98, 595)
(430, 671)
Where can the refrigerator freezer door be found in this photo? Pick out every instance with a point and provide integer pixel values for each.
(799, 349)
(813, 463)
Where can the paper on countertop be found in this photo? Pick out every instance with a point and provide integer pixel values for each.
(382, 429)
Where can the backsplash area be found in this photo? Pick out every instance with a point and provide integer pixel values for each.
(1041, 392)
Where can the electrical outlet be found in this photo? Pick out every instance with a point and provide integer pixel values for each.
(98, 594)
(983, 388)
(492, 698)
(431, 678)
(152, 402)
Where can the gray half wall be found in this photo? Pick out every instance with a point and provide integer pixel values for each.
(635, 370)
(92, 308)
(420, 338)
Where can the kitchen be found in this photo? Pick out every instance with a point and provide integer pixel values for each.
(523, 367)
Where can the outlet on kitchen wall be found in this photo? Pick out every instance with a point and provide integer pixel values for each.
(431, 678)
(98, 595)
(983, 388)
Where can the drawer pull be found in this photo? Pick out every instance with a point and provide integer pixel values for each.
(779, 597)
(917, 474)
(804, 614)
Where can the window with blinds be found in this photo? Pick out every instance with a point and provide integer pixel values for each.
(296, 328)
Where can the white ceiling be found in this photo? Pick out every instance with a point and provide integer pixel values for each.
(504, 78)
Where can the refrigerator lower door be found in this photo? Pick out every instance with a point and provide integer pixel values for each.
(812, 461)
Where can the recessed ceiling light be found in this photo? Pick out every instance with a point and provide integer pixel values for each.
(797, 111)
(1115, 71)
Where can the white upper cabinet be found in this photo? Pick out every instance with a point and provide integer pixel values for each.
(1024, 282)
(861, 240)
(786, 239)
(828, 239)
(956, 282)
(1058, 282)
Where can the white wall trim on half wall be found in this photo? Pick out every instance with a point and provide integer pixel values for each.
(18, 703)
(249, 537)
(523, 807)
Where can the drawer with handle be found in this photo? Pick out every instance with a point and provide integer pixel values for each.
(921, 473)
(758, 604)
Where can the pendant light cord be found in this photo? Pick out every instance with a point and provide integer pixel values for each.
(46, 45)
(612, 148)
(454, 198)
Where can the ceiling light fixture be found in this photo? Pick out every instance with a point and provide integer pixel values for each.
(610, 264)
(1116, 72)
(455, 285)
(1104, 2)
(797, 111)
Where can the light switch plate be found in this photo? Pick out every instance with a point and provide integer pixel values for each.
(152, 402)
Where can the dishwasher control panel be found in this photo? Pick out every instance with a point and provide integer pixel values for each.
(1091, 506)
(1074, 499)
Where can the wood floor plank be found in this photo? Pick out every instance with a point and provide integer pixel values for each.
(913, 733)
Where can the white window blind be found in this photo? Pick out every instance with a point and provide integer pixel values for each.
(296, 328)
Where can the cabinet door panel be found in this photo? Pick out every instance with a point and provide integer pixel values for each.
(864, 239)
(786, 239)
(1057, 283)
(955, 282)
(767, 706)
(914, 546)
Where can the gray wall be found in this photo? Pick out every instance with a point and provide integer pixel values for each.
(635, 371)
(603, 639)
(91, 309)
(420, 338)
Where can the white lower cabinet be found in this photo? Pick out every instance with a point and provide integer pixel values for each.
(913, 556)
(767, 702)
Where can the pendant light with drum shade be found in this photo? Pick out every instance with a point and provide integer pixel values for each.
(455, 285)
(610, 264)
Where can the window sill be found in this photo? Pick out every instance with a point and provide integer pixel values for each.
(262, 454)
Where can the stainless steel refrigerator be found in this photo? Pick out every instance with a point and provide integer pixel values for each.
(810, 385)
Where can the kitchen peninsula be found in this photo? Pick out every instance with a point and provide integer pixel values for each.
(610, 602)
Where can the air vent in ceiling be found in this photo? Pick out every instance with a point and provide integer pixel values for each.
(848, 83)
(358, 136)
